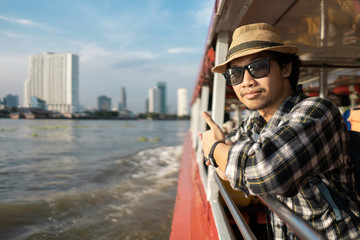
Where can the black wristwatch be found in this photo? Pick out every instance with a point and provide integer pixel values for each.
(211, 154)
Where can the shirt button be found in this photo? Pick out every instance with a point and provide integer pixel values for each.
(278, 226)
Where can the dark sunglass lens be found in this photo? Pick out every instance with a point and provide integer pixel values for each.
(260, 68)
(235, 75)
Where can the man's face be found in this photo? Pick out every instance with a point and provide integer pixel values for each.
(263, 94)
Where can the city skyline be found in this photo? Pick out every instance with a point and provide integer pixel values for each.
(182, 105)
(132, 44)
(182, 108)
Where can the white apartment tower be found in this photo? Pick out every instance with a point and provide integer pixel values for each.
(182, 108)
(54, 78)
(154, 100)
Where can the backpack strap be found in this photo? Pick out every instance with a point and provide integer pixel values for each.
(335, 200)
(326, 193)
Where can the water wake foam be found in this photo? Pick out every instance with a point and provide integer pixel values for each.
(130, 198)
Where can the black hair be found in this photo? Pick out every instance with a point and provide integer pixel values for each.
(284, 58)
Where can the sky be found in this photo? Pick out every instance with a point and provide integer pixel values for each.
(120, 43)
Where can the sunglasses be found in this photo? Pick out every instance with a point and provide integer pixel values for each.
(257, 69)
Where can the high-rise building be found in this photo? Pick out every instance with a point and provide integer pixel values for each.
(54, 78)
(154, 100)
(122, 103)
(11, 100)
(162, 88)
(182, 106)
(104, 103)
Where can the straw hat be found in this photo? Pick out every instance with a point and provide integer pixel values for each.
(254, 38)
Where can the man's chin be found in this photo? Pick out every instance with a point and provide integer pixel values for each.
(255, 106)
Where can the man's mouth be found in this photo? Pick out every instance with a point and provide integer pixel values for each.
(251, 94)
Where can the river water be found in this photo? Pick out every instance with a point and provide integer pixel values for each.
(88, 179)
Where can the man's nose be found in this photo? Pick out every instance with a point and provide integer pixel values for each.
(248, 80)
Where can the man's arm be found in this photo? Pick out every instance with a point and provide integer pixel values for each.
(208, 138)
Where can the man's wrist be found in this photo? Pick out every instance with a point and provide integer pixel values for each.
(211, 154)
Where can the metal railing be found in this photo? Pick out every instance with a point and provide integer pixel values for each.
(299, 226)
(240, 221)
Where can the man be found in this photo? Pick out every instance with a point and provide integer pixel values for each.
(287, 140)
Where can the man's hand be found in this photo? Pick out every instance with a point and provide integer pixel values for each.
(208, 138)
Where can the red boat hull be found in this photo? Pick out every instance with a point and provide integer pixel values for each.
(192, 217)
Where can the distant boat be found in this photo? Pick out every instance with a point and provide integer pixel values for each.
(17, 115)
(30, 115)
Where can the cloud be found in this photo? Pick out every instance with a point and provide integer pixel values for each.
(92, 50)
(142, 55)
(134, 59)
(12, 35)
(25, 22)
(130, 63)
(180, 50)
(203, 14)
(100, 57)
(18, 21)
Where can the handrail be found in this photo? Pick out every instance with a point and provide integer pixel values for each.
(240, 221)
(301, 228)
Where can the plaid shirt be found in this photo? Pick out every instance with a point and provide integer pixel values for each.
(306, 137)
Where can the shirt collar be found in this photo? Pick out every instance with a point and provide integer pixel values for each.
(287, 106)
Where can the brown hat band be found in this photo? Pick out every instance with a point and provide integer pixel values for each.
(252, 44)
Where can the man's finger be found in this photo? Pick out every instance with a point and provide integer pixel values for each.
(209, 120)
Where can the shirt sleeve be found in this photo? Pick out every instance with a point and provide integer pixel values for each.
(308, 140)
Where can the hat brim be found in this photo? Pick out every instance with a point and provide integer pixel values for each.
(221, 68)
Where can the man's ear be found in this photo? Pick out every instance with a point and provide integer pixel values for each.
(286, 70)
